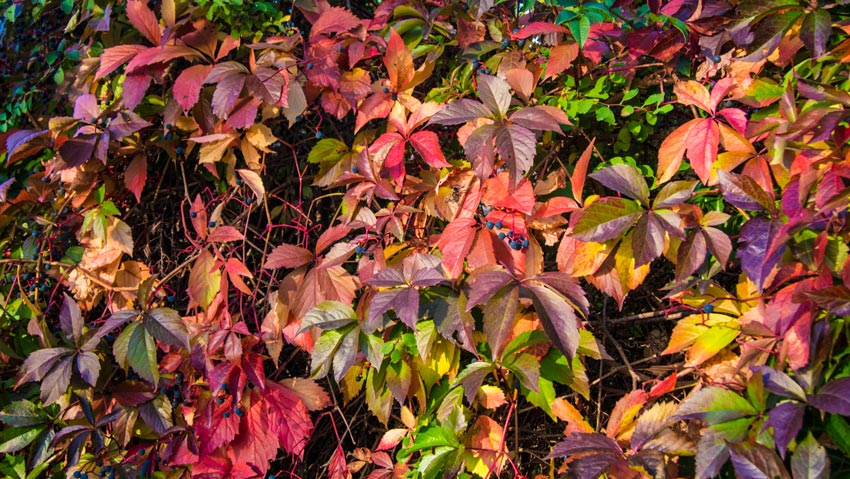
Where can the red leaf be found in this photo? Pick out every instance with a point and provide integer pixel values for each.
(338, 468)
(256, 444)
(330, 236)
(537, 28)
(134, 88)
(312, 395)
(212, 428)
(334, 20)
(136, 175)
(498, 192)
(702, 142)
(560, 58)
(114, 57)
(427, 144)
(198, 214)
(187, 86)
(244, 113)
(288, 256)
(144, 20)
(455, 242)
(399, 62)
(288, 418)
(517, 146)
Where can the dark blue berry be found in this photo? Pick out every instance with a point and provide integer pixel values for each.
(219, 401)
(510, 234)
(319, 135)
(170, 298)
(355, 169)
(708, 308)
(239, 412)
(515, 245)
(168, 136)
(141, 452)
(299, 118)
(716, 59)
(238, 181)
(226, 414)
(499, 225)
(309, 66)
(358, 250)
(193, 214)
(249, 200)
(211, 224)
(84, 475)
(395, 96)
(489, 225)
(169, 126)
(386, 90)
(340, 48)
(502, 235)
(77, 474)
(525, 243)
(179, 150)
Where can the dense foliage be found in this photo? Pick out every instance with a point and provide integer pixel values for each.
(425, 238)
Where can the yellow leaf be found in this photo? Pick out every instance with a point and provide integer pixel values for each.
(260, 136)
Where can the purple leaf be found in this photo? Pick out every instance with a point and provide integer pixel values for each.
(718, 243)
(815, 31)
(471, 378)
(126, 124)
(495, 93)
(56, 382)
(117, 319)
(568, 286)
(835, 299)
(624, 179)
(606, 219)
(557, 317)
(157, 414)
(20, 139)
(88, 366)
(756, 235)
(691, 255)
(527, 368)
(40, 362)
(834, 397)
(674, 193)
(744, 192)
(459, 112)
(517, 146)
(499, 315)
(167, 326)
(328, 315)
(421, 270)
(647, 239)
(581, 443)
(456, 324)
(85, 108)
(754, 461)
(387, 278)
(535, 118)
(226, 93)
(70, 319)
(809, 460)
(479, 150)
(77, 151)
(485, 282)
(780, 383)
(786, 420)
(712, 454)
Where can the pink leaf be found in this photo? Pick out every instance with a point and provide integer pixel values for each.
(144, 20)
(135, 86)
(187, 86)
(455, 242)
(114, 57)
(223, 234)
(288, 256)
(334, 20)
(537, 28)
(136, 176)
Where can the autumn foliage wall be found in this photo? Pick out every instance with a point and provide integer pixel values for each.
(410, 239)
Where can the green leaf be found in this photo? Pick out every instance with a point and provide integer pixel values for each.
(839, 432)
(166, 325)
(580, 28)
(137, 349)
(809, 460)
(715, 405)
(14, 439)
(606, 219)
(433, 437)
(22, 413)
(327, 150)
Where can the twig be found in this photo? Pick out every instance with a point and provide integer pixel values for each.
(632, 373)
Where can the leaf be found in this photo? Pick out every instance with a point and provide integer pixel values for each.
(580, 28)
(137, 349)
(399, 62)
(835, 299)
(557, 317)
(690, 92)
(834, 397)
(712, 454)
(167, 326)
(455, 242)
(787, 420)
(17, 438)
(136, 176)
(495, 93)
(756, 236)
(673, 149)
(157, 414)
(334, 20)
(606, 219)
(624, 179)
(288, 418)
(487, 445)
(144, 20)
(561, 57)
(427, 145)
(651, 423)
(288, 256)
(458, 112)
(22, 413)
(499, 315)
(88, 365)
(113, 57)
(754, 461)
(253, 180)
(744, 192)
(70, 319)
(809, 460)
(579, 175)
(517, 146)
(815, 31)
(187, 86)
(647, 239)
(702, 141)
(780, 383)
(715, 405)
(597, 450)
(690, 256)
(204, 281)
(314, 396)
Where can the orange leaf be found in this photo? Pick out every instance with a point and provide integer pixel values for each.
(672, 151)
(693, 93)
(399, 62)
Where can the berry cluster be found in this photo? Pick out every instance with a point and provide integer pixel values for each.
(515, 241)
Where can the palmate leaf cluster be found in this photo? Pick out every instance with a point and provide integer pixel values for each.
(238, 232)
